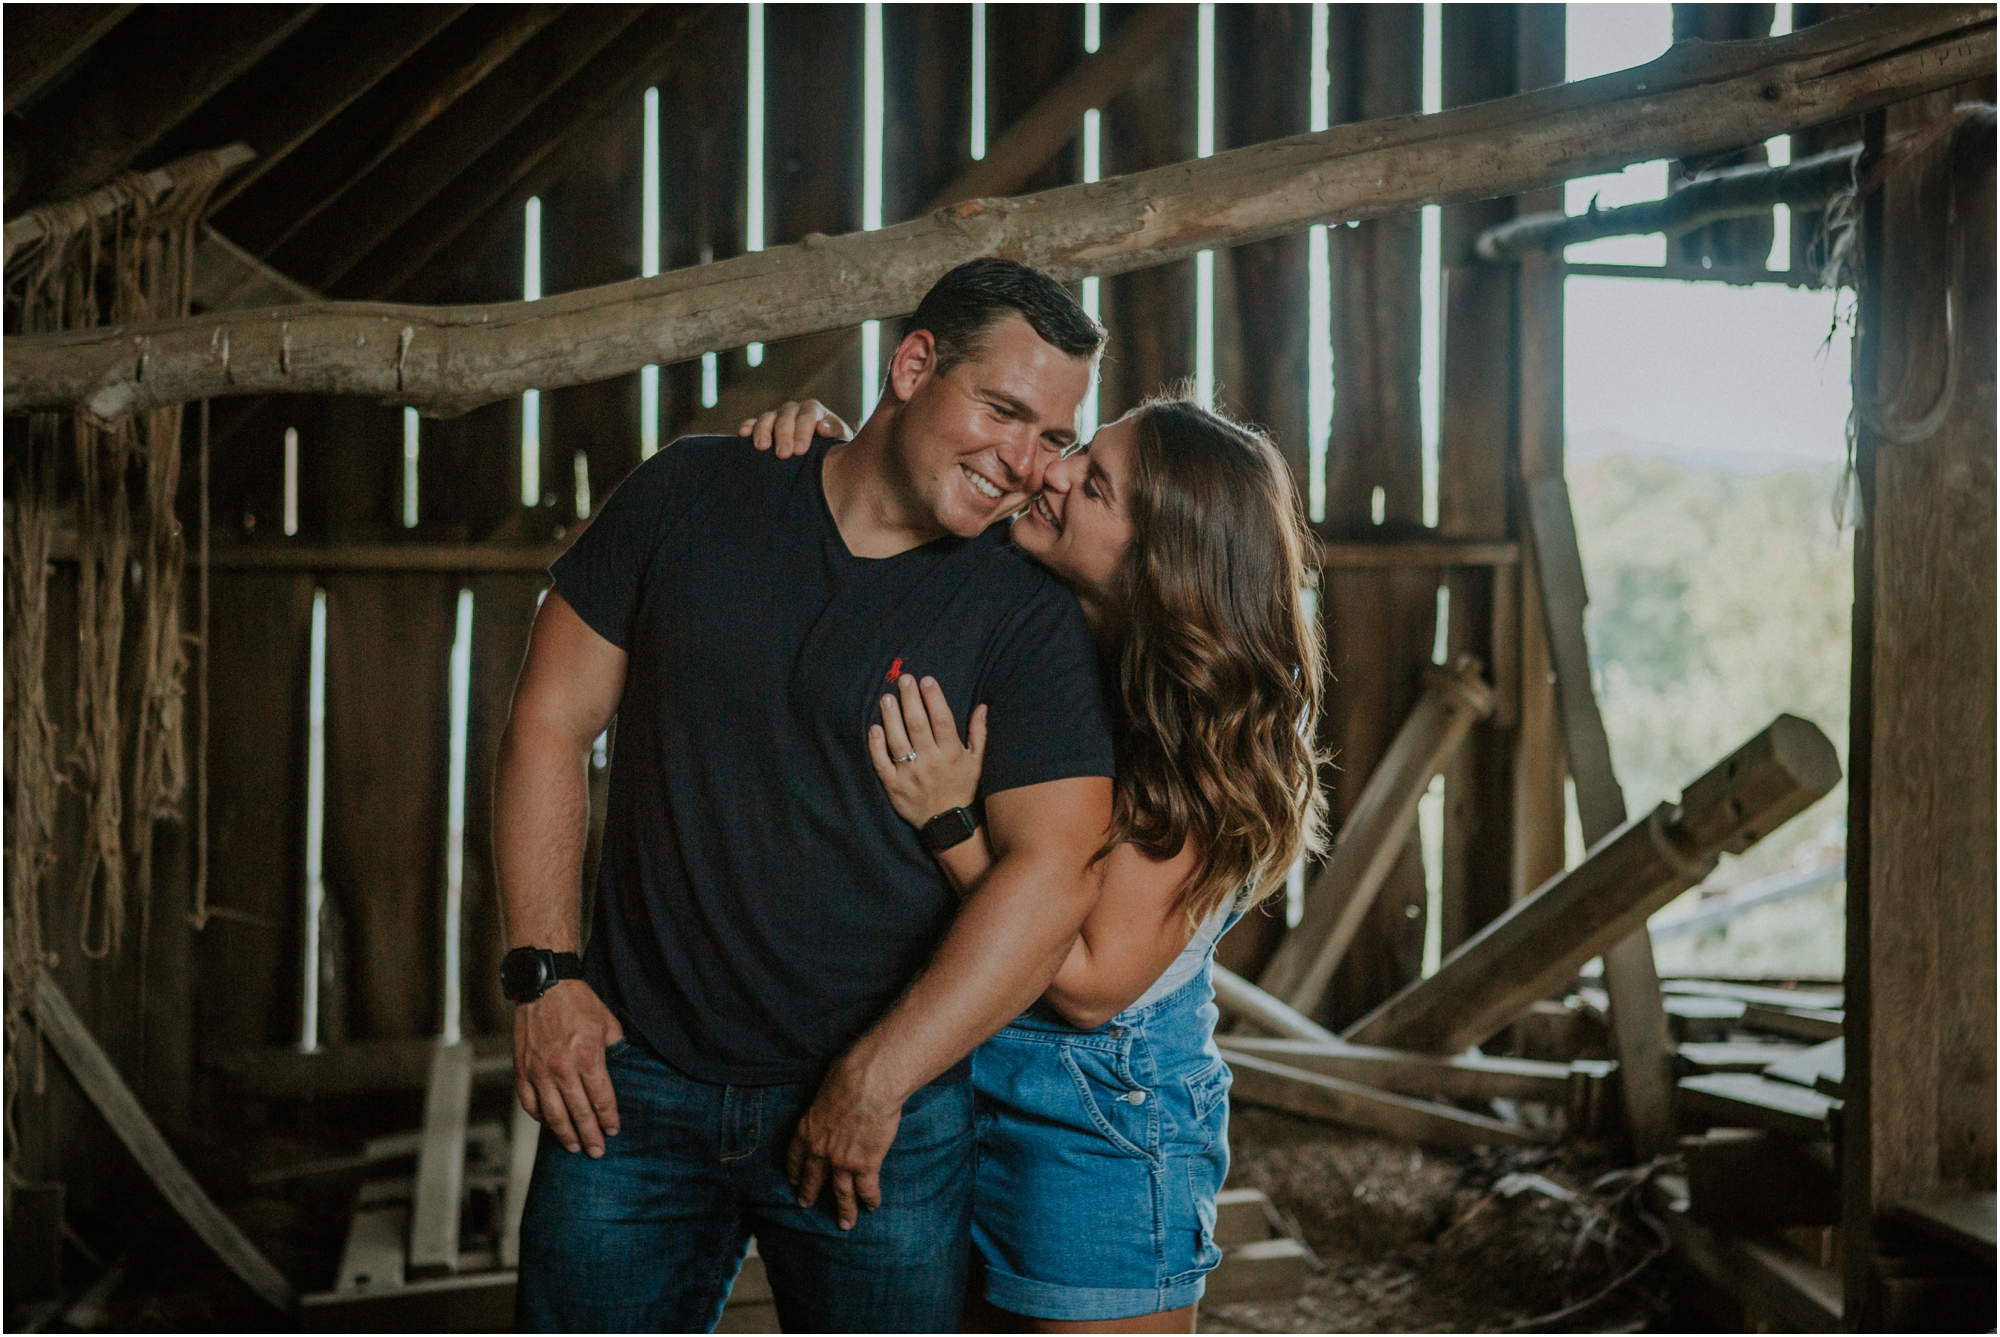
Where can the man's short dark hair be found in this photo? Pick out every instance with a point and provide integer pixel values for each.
(962, 307)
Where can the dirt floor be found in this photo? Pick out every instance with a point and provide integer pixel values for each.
(1409, 1240)
(1431, 1241)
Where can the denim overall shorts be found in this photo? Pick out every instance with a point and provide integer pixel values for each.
(1100, 1155)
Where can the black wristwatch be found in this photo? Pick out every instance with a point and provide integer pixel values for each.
(953, 827)
(526, 973)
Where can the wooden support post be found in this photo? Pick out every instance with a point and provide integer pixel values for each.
(440, 1185)
(1919, 1075)
(1637, 1021)
(1258, 1081)
(1380, 627)
(1525, 954)
(101, 1081)
(1693, 100)
(1377, 832)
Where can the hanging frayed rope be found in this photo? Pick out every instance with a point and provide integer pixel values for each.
(128, 760)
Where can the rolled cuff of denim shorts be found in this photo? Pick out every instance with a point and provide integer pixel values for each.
(1083, 1304)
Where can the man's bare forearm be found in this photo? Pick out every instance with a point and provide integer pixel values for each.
(541, 807)
(1001, 953)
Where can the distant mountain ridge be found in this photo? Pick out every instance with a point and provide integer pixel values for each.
(1589, 449)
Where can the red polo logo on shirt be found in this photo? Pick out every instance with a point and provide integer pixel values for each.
(894, 669)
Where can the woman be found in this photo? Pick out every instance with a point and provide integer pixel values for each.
(1103, 1120)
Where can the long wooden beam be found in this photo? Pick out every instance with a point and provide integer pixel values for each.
(100, 1080)
(1698, 98)
(1544, 939)
(1258, 1081)
(801, 367)
(1376, 833)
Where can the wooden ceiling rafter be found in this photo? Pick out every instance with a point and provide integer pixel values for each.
(333, 243)
(299, 88)
(532, 156)
(45, 40)
(379, 123)
(96, 126)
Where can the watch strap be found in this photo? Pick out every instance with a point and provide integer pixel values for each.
(569, 965)
(954, 826)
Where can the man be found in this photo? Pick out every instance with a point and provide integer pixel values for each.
(769, 1032)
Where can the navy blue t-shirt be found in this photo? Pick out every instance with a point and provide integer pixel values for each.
(759, 902)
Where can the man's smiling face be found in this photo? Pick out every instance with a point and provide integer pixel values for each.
(975, 441)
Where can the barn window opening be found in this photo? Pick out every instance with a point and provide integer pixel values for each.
(649, 263)
(315, 889)
(1093, 165)
(454, 835)
(871, 186)
(580, 468)
(291, 481)
(1430, 285)
(753, 170)
(531, 400)
(1204, 261)
(1319, 300)
(710, 376)
(978, 80)
(410, 434)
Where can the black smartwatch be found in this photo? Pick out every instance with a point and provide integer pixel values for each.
(526, 973)
(953, 827)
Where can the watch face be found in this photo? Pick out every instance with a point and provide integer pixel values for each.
(521, 974)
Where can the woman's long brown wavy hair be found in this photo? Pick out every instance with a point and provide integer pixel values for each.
(1217, 672)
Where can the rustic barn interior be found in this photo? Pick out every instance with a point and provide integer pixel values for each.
(269, 575)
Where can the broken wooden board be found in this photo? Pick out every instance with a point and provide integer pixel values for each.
(363, 1067)
(1749, 1177)
(1774, 1283)
(440, 1182)
(1630, 977)
(1316, 1096)
(1698, 1018)
(1963, 1220)
(1816, 999)
(1794, 1023)
(1731, 1056)
(100, 1080)
(1272, 1269)
(1242, 1216)
(1539, 945)
(1751, 1100)
(1823, 1068)
(1467, 1077)
(1245, 1001)
(1376, 833)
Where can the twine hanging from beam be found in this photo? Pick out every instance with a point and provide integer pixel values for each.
(128, 759)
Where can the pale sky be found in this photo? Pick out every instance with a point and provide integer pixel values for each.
(1702, 366)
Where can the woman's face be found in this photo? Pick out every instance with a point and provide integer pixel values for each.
(1078, 526)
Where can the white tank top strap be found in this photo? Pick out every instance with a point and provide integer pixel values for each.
(1196, 954)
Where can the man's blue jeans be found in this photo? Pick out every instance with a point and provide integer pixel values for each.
(650, 1237)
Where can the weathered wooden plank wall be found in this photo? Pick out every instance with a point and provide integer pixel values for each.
(1264, 91)
(1476, 457)
(1380, 625)
(1920, 883)
(1150, 312)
